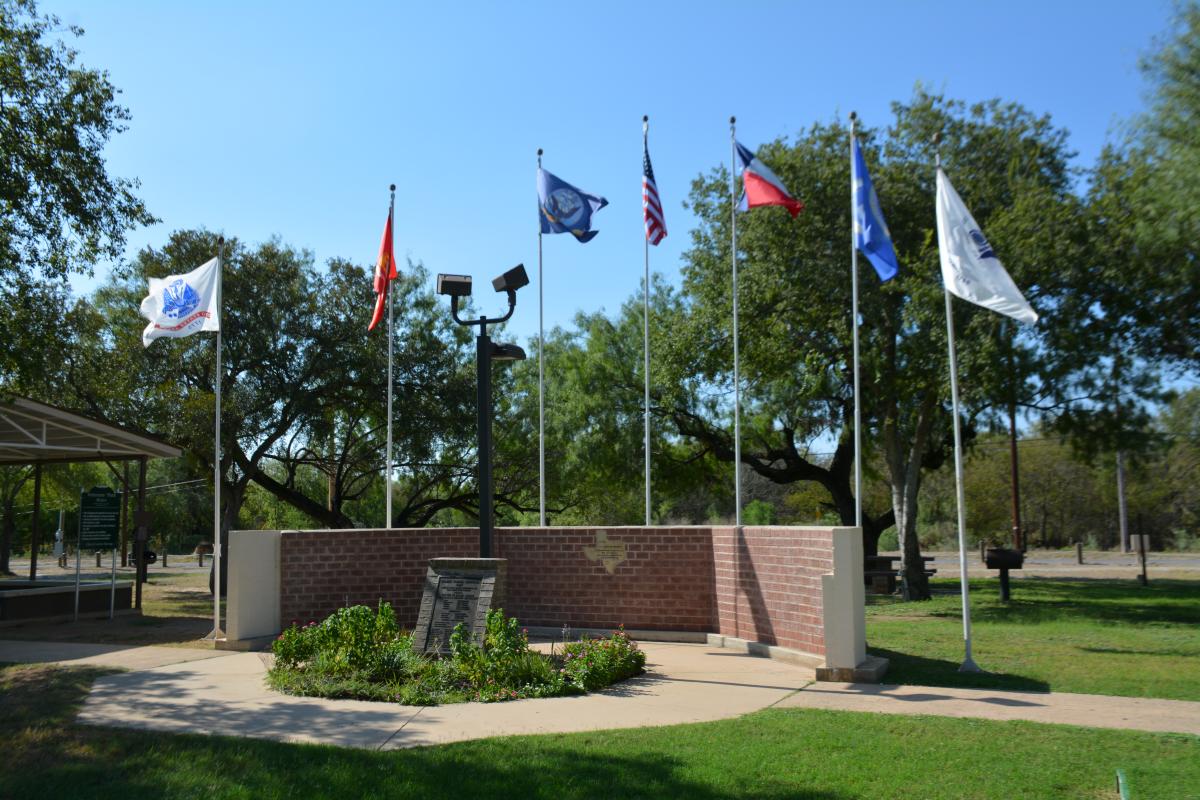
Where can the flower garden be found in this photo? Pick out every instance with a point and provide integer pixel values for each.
(359, 652)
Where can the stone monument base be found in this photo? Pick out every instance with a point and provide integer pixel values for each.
(458, 590)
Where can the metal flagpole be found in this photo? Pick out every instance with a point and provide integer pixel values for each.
(646, 333)
(854, 223)
(388, 286)
(217, 633)
(737, 384)
(968, 664)
(541, 381)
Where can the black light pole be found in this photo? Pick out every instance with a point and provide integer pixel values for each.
(457, 286)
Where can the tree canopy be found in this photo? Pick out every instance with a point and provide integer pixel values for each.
(62, 211)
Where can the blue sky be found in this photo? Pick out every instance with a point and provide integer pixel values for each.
(290, 119)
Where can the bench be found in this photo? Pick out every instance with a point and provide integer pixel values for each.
(883, 581)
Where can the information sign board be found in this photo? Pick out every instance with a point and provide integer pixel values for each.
(99, 519)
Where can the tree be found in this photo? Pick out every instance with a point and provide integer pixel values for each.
(595, 427)
(342, 436)
(1012, 168)
(62, 210)
(1144, 198)
(12, 480)
(303, 385)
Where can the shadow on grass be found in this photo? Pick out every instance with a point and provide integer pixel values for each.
(50, 756)
(905, 668)
(1038, 600)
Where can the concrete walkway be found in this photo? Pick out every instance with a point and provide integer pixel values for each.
(1089, 710)
(182, 690)
(122, 656)
(226, 695)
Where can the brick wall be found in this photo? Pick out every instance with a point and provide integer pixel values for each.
(665, 581)
(321, 571)
(762, 585)
(768, 584)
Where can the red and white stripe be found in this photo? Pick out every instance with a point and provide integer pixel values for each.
(652, 211)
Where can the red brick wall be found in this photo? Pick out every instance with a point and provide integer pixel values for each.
(321, 571)
(664, 583)
(763, 586)
(768, 584)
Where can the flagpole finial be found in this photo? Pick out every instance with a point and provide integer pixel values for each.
(539, 152)
(733, 120)
(220, 241)
(853, 116)
(645, 117)
(392, 187)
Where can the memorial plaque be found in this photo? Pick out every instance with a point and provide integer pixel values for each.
(99, 519)
(457, 590)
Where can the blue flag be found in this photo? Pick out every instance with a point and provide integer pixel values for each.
(870, 231)
(564, 209)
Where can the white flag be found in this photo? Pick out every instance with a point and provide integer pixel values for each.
(970, 269)
(180, 305)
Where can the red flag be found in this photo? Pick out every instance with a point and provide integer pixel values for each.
(385, 272)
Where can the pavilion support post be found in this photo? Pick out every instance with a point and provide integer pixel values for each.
(35, 536)
(125, 515)
(140, 534)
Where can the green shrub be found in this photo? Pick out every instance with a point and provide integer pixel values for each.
(360, 652)
(594, 663)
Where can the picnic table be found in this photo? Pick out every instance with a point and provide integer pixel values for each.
(880, 572)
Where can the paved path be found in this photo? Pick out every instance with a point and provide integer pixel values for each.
(122, 656)
(207, 691)
(684, 683)
(1092, 710)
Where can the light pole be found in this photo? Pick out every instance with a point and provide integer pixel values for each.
(456, 286)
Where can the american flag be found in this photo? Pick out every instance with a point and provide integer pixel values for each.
(656, 229)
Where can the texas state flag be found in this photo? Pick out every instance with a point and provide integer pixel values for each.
(760, 187)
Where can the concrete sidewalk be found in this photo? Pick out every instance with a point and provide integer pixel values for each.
(1089, 710)
(121, 656)
(182, 690)
(684, 683)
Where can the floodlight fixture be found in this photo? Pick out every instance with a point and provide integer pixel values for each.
(507, 352)
(512, 280)
(454, 285)
(486, 351)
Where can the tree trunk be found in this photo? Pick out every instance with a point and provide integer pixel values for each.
(904, 468)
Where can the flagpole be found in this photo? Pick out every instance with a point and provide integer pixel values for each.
(388, 284)
(968, 664)
(217, 632)
(854, 327)
(646, 333)
(737, 386)
(541, 381)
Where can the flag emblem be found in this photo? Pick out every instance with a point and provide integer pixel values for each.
(179, 299)
(656, 228)
(565, 207)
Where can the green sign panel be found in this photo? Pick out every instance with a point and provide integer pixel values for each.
(99, 519)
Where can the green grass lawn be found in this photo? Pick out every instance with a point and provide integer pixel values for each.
(1091, 636)
(769, 755)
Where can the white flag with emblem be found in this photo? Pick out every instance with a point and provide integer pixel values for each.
(970, 269)
(180, 305)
